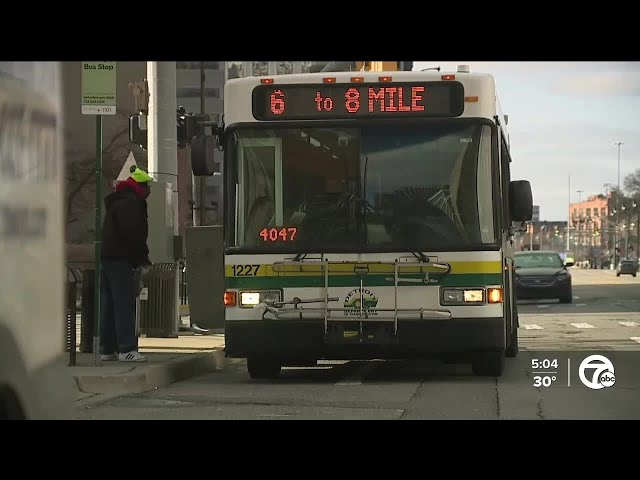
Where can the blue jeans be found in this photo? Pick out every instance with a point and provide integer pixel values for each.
(118, 307)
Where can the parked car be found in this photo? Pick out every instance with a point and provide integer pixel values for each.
(627, 267)
(542, 275)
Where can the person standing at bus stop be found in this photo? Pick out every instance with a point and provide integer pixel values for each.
(124, 249)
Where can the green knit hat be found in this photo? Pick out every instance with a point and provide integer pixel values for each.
(139, 175)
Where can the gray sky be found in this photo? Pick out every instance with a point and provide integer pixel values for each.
(564, 118)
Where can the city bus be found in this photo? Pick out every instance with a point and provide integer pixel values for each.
(369, 215)
(34, 383)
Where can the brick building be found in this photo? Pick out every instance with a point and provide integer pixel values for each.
(603, 222)
(591, 225)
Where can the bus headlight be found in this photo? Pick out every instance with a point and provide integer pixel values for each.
(462, 296)
(251, 299)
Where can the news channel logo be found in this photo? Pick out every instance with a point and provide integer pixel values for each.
(597, 372)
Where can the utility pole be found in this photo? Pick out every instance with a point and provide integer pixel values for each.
(162, 133)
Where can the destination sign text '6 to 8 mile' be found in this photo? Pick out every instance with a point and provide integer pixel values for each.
(342, 101)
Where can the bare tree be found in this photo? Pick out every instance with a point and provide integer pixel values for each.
(632, 183)
(613, 189)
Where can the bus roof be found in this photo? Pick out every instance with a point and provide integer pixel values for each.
(238, 92)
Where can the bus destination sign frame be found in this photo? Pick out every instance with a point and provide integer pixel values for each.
(426, 99)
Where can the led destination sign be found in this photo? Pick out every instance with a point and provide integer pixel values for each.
(341, 101)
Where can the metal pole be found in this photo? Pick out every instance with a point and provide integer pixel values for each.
(637, 206)
(97, 242)
(162, 153)
(202, 180)
(569, 218)
(615, 242)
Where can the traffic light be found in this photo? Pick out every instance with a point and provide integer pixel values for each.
(184, 124)
(189, 126)
(138, 130)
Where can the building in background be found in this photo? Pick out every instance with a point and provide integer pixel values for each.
(198, 81)
(240, 69)
(592, 227)
(598, 226)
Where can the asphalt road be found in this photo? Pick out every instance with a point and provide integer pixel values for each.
(604, 319)
(604, 315)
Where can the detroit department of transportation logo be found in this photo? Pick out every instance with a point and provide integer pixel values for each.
(352, 302)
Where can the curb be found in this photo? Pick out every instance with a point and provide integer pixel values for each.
(148, 377)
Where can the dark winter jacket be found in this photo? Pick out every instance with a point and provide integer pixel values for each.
(125, 228)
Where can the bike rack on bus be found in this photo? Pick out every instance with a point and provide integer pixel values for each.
(323, 267)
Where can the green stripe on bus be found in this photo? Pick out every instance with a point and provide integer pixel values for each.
(462, 280)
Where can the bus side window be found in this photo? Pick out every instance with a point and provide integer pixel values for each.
(260, 187)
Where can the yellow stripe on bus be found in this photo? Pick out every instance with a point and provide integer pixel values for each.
(348, 268)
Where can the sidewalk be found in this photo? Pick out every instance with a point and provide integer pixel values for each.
(169, 360)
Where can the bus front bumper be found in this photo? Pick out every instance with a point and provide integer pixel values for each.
(291, 340)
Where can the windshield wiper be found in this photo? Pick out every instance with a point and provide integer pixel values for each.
(299, 257)
(420, 256)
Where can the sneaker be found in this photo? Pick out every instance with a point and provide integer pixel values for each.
(109, 357)
(133, 356)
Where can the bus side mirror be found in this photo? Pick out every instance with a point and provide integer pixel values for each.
(521, 201)
(203, 156)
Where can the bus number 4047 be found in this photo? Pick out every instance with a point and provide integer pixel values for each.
(285, 234)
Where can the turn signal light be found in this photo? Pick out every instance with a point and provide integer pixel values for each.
(494, 295)
(230, 299)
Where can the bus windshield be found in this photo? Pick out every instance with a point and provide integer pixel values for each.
(372, 187)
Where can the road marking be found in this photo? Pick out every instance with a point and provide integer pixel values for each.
(581, 304)
(582, 325)
(575, 297)
(635, 339)
(532, 326)
(543, 306)
(629, 324)
(347, 383)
